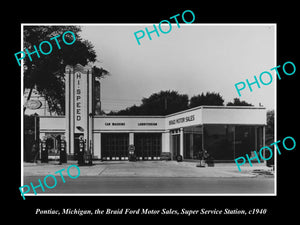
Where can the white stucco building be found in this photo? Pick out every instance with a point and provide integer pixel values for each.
(226, 132)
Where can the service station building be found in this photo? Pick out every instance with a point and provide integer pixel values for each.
(226, 132)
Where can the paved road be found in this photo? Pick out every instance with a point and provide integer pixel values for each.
(169, 185)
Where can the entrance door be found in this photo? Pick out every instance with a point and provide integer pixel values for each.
(175, 145)
(76, 145)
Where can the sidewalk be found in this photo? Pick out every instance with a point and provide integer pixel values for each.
(149, 169)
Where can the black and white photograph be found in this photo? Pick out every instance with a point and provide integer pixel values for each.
(153, 115)
(144, 112)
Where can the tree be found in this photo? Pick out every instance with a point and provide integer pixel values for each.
(210, 98)
(133, 110)
(162, 103)
(46, 73)
(238, 102)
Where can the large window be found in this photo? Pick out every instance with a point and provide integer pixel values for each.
(219, 141)
(52, 142)
(192, 142)
(227, 142)
(244, 140)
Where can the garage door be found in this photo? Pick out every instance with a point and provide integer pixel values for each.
(147, 146)
(114, 146)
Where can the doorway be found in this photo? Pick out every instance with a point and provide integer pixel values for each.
(175, 145)
(114, 146)
(147, 145)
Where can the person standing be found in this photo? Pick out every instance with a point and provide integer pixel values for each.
(201, 158)
(205, 157)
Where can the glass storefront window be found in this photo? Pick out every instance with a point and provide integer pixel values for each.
(244, 140)
(227, 142)
(192, 142)
(218, 141)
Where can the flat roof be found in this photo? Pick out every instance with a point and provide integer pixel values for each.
(214, 107)
(169, 115)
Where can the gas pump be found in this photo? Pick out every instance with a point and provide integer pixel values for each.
(44, 150)
(81, 151)
(62, 150)
(131, 153)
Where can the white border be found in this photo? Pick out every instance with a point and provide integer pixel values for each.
(275, 113)
(22, 112)
(143, 24)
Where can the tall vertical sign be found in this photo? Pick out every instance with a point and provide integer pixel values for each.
(80, 102)
(78, 105)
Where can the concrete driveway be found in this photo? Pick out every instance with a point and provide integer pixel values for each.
(148, 169)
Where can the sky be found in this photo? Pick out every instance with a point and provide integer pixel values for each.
(192, 59)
